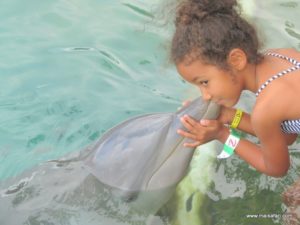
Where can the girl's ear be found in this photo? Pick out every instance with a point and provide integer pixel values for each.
(237, 59)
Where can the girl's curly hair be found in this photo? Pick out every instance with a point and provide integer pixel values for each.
(209, 30)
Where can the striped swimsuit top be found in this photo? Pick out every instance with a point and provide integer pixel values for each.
(287, 126)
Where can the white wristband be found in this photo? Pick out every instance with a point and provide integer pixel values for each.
(230, 145)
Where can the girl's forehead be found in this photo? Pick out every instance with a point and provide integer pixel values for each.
(191, 71)
(198, 69)
(194, 66)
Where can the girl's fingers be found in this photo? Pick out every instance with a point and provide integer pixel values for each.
(186, 103)
(186, 134)
(188, 122)
(192, 145)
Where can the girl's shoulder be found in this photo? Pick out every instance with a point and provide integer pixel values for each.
(288, 52)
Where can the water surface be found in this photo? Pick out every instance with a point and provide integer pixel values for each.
(72, 69)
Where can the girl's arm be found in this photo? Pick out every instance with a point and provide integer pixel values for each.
(227, 115)
(245, 124)
(271, 158)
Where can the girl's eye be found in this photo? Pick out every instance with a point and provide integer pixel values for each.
(204, 82)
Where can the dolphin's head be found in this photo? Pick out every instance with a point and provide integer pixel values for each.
(145, 155)
(200, 109)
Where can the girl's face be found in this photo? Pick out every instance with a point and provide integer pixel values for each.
(217, 85)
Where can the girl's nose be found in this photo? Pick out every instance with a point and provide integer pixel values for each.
(206, 95)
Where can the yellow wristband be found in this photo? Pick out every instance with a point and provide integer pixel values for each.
(236, 119)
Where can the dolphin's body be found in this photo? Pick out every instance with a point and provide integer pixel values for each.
(143, 158)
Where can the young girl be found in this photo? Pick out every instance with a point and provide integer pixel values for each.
(217, 50)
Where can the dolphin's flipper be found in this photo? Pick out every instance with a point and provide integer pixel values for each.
(145, 153)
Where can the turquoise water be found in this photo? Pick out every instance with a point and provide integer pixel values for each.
(72, 69)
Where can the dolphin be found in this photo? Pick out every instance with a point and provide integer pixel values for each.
(143, 159)
(105, 183)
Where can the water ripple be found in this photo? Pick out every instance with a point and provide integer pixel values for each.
(139, 10)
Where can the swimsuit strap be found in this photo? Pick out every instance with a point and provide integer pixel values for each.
(291, 60)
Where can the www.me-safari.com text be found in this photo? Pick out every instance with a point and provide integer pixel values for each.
(267, 216)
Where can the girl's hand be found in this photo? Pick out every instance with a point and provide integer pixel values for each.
(201, 131)
(184, 103)
(226, 115)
